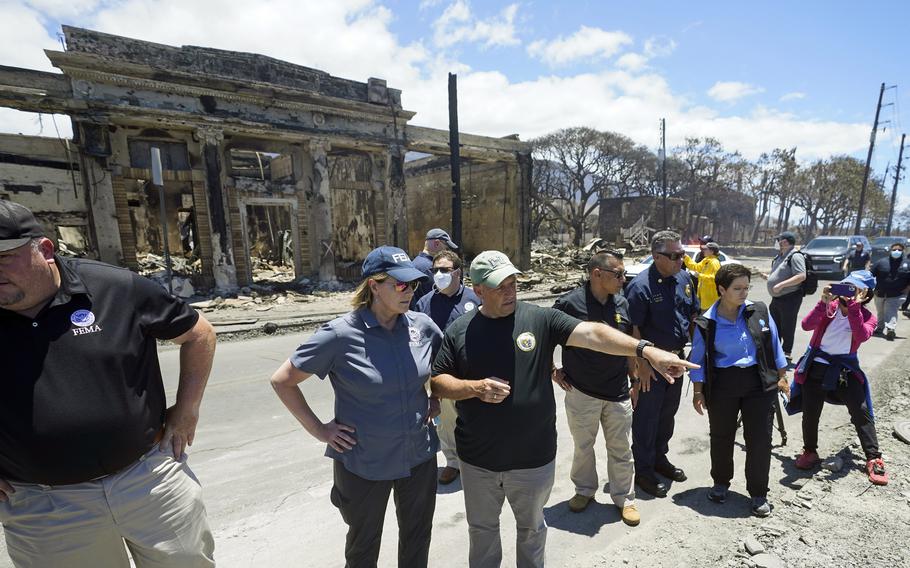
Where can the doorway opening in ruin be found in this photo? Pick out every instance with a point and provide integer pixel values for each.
(270, 239)
(182, 232)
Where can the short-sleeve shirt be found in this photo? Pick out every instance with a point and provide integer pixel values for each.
(379, 377)
(82, 395)
(892, 276)
(594, 373)
(783, 268)
(519, 432)
(443, 309)
(663, 307)
(858, 260)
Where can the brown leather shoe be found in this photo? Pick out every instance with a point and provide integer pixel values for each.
(579, 503)
(630, 515)
(448, 475)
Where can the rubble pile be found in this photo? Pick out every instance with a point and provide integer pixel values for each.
(560, 267)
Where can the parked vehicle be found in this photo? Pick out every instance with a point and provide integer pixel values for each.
(828, 253)
(882, 245)
(635, 269)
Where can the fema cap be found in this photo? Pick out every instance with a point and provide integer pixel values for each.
(392, 261)
(442, 236)
(491, 267)
(17, 226)
(788, 235)
(860, 279)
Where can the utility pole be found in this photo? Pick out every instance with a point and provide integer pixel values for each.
(663, 168)
(455, 158)
(897, 177)
(862, 193)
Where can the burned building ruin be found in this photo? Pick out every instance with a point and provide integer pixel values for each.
(266, 164)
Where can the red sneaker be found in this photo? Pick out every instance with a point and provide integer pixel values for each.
(876, 470)
(808, 460)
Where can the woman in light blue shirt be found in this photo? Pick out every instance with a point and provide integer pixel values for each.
(742, 367)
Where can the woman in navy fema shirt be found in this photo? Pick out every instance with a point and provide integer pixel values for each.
(378, 360)
(742, 368)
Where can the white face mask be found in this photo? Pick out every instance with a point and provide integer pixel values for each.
(897, 253)
(442, 279)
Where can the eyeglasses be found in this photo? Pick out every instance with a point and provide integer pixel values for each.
(403, 286)
(616, 273)
(674, 256)
(444, 269)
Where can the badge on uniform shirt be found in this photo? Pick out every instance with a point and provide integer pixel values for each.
(764, 326)
(468, 306)
(618, 318)
(414, 334)
(688, 291)
(526, 341)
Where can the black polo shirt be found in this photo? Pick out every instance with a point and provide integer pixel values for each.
(519, 432)
(82, 389)
(594, 373)
(663, 307)
(892, 276)
(443, 309)
(857, 260)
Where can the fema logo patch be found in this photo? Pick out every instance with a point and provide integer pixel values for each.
(526, 341)
(468, 306)
(414, 334)
(82, 318)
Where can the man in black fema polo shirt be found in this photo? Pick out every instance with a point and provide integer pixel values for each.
(597, 389)
(90, 455)
(496, 362)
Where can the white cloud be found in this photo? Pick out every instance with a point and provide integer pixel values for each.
(457, 24)
(67, 9)
(586, 43)
(353, 39)
(732, 91)
(632, 61)
(794, 96)
(659, 46)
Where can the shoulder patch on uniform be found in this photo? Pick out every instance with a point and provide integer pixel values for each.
(526, 341)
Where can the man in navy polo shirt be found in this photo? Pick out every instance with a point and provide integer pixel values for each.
(437, 241)
(448, 301)
(90, 455)
(662, 306)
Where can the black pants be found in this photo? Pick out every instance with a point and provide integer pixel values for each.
(852, 394)
(785, 312)
(363, 504)
(735, 390)
(653, 422)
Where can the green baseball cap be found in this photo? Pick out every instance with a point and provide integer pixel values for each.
(491, 267)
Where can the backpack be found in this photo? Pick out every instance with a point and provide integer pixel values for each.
(810, 285)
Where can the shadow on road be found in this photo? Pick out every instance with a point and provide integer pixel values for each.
(587, 523)
(737, 505)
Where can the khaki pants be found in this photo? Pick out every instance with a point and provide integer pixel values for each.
(155, 505)
(527, 491)
(586, 415)
(446, 431)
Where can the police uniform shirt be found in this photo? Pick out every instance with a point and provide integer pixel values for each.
(82, 389)
(443, 309)
(858, 260)
(596, 374)
(892, 276)
(520, 431)
(663, 307)
(379, 377)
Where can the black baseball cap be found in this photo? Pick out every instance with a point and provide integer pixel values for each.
(17, 226)
(442, 236)
(392, 261)
(788, 235)
(706, 239)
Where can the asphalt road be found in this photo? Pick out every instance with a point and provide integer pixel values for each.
(267, 482)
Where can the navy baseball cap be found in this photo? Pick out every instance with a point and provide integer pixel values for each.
(789, 235)
(706, 239)
(17, 226)
(392, 261)
(442, 236)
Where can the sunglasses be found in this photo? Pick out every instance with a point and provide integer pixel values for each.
(444, 269)
(674, 256)
(404, 286)
(616, 273)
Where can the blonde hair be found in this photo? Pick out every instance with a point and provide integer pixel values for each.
(363, 296)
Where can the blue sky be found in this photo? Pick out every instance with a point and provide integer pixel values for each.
(755, 75)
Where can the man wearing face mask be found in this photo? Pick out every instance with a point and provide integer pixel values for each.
(436, 241)
(892, 276)
(447, 302)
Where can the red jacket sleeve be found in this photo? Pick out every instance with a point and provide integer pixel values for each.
(815, 317)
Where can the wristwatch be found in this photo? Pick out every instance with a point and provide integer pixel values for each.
(639, 351)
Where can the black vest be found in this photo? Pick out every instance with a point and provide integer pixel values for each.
(761, 334)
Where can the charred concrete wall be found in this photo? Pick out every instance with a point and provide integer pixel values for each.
(491, 204)
(618, 213)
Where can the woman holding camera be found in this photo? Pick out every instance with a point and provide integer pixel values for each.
(742, 368)
(830, 370)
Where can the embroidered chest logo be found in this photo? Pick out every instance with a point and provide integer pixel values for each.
(84, 320)
(468, 306)
(526, 341)
(414, 335)
(688, 291)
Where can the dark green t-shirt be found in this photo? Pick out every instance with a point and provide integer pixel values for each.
(520, 432)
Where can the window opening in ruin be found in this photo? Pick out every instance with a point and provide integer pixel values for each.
(173, 154)
(72, 240)
(356, 211)
(266, 166)
(269, 233)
